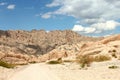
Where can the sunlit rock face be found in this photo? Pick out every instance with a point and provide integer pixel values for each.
(109, 47)
(22, 47)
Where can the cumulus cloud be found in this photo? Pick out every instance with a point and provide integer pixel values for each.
(98, 15)
(97, 27)
(90, 10)
(108, 25)
(80, 28)
(87, 9)
(90, 30)
(11, 6)
(92, 21)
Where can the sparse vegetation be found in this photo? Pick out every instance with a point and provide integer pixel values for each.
(114, 55)
(114, 51)
(33, 62)
(53, 62)
(58, 61)
(84, 61)
(6, 65)
(101, 58)
(113, 67)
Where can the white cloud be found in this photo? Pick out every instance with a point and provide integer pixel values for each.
(97, 27)
(46, 16)
(2, 3)
(89, 30)
(78, 28)
(88, 9)
(11, 6)
(92, 21)
(47, 31)
(98, 15)
(108, 25)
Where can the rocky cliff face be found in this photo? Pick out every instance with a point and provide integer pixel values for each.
(108, 48)
(105, 49)
(21, 46)
(39, 41)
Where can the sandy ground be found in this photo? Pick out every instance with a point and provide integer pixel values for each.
(67, 71)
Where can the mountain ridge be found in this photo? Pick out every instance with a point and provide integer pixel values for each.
(21, 47)
(40, 39)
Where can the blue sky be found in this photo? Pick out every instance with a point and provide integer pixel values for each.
(88, 17)
(26, 16)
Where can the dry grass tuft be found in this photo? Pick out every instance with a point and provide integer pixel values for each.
(113, 67)
(84, 61)
(58, 61)
(101, 58)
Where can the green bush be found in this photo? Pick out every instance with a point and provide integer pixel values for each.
(6, 65)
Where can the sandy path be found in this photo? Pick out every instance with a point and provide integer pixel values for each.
(35, 72)
(42, 71)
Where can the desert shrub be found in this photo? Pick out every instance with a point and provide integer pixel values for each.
(84, 61)
(32, 62)
(58, 61)
(113, 67)
(6, 65)
(53, 62)
(114, 55)
(114, 51)
(101, 58)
